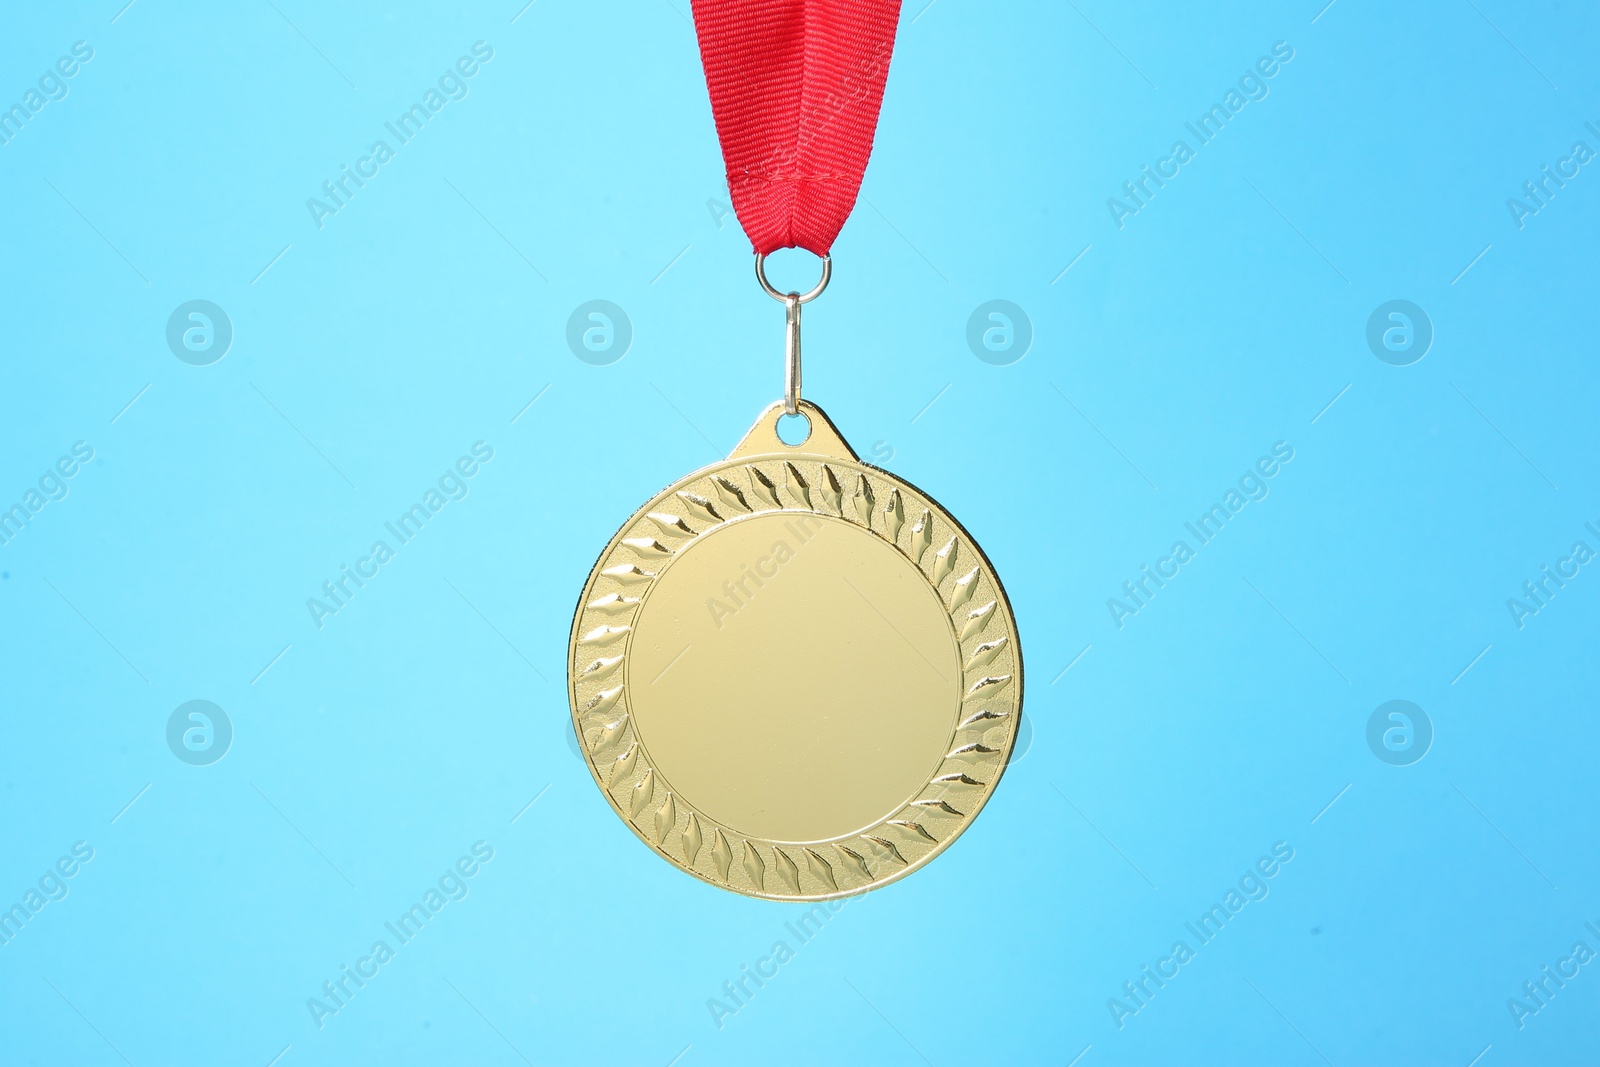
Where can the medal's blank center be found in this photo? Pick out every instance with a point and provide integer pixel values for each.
(794, 677)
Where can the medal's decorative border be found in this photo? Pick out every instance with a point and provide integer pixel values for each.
(799, 483)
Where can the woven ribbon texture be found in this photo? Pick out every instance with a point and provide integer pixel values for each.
(795, 88)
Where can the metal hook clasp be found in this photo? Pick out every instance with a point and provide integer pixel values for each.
(791, 354)
(791, 339)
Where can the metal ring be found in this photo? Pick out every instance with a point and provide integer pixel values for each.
(761, 276)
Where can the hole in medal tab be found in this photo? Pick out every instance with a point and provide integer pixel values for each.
(794, 430)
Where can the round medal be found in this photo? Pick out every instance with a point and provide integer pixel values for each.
(794, 674)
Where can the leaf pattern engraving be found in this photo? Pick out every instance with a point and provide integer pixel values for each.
(604, 635)
(977, 619)
(763, 486)
(648, 547)
(972, 753)
(822, 869)
(721, 854)
(692, 839)
(944, 561)
(704, 508)
(613, 604)
(604, 702)
(921, 537)
(854, 863)
(938, 807)
(886, 849)
(832, 491)
(601, 668)
(958, 783)
(863, 499)
(628, 574)
(642, 793)
(894, 516)
(666, 819)
(609, 735)
(731, 494)
(755, 867)
(670, 525)
(915, 829)
(987, 686)
(786, 870)
(982, 720)
(985, 653)
(622, 770)
(962, 591)
(796, 482)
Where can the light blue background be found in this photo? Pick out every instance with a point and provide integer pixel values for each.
(425, 316)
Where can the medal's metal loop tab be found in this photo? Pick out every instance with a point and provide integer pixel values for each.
(761, 276)
(791, 338)
(791, 353)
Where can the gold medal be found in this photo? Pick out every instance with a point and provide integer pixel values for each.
(794, 674)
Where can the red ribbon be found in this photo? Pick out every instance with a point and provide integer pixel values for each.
(795, 88)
